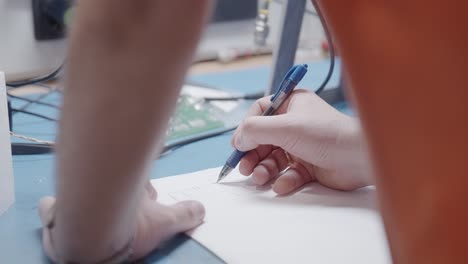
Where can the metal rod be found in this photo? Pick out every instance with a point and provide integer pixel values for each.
(285, 50)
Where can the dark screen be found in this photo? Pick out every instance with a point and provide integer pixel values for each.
(233, 10)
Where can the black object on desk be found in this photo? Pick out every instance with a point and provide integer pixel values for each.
(26, 148)
(30, 149)
(10, 116)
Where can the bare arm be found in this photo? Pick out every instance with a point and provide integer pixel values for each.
(127, 62)
(406, 62)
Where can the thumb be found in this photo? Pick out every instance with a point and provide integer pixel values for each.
(44, 208)
(166, 222)
(46, 214)
(263, 130)
(187, 215)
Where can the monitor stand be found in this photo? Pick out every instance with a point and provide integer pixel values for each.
(285, 51)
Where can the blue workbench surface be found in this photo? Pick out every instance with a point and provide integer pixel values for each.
(20, 227)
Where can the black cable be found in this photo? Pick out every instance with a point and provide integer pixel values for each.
(45, 78)
(180, 143)
(10, 116)
(33, 114)
(38, 101)
(33, 101)
(252, 96)
(37, 148)
(331, 48)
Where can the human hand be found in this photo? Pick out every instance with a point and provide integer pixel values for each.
(309, 136)
(155, 222)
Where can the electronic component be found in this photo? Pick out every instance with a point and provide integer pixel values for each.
(262, 29)
(49, 18)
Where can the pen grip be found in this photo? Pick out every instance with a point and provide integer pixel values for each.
(235, 158)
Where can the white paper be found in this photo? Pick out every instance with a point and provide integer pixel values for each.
(249, 224)
(6, 170)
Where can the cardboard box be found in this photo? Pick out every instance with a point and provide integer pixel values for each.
(7, 190)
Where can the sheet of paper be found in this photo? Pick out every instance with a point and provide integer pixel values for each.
(249, 224)
(6, 171)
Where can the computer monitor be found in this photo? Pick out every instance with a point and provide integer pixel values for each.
(24, 57)
(21, 55)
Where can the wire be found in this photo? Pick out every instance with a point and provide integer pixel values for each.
(33, 101)
(330, 44)
(45, 78)
(252, 96)
(48, 147)
(172, 146)
(38, 147)
(35, 140)
(33, 114)
(318, 13)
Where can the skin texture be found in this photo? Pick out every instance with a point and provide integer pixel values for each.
(126, 64)
(323, 144)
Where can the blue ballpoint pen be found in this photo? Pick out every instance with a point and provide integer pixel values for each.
(290, 81)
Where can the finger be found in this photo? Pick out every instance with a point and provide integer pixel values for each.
(162, 222)
(44, 207)
(47, 245)
(265, 130)
(187, 215)
(292, 179)
(260, 106)
(252, 158)
(151, 191)
(256, 109)
(270, 167)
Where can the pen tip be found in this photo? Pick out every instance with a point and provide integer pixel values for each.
(224, 172)
(220, 177)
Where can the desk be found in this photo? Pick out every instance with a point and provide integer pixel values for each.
(20, 234)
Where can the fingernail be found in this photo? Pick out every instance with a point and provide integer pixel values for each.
(198, 210)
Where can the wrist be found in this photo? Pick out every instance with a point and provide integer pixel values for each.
(351, 151)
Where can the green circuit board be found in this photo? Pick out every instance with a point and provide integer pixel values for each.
(193, 117)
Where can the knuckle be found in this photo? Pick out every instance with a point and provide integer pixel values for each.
(291, 139)
(248, 125)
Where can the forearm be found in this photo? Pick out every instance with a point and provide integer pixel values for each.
(406, 64)
(127, 62)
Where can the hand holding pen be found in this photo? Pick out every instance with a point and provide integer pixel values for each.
(290, 81)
